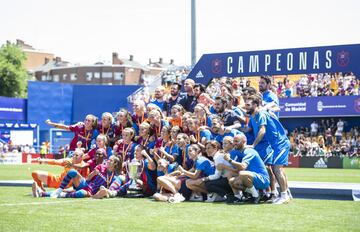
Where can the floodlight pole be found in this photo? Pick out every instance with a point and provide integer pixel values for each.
(193, 33)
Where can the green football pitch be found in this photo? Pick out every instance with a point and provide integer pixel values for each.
(23, 172)
(21, 212)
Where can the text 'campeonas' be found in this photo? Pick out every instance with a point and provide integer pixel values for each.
(279, 62)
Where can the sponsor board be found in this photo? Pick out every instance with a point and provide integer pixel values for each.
(321, 162)
(351, 163)
(26, 158)
(294, 161)
(10, 158)
(320, 106)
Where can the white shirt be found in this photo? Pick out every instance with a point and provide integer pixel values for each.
(314, 127)
(219, 159)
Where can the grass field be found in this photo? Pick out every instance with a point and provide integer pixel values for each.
(23, 172)
(19, 211)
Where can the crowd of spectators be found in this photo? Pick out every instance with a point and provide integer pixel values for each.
(9, 147)
(321, 84)
(326, 137)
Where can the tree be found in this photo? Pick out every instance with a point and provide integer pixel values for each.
(13, 76)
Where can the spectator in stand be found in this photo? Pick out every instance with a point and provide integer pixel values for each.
(289, 85)
(43, 150)
(33, 151)
(339, 130)
(328, 137)
(332, 124)
(26, 149)
(322, 127)
(321, 84)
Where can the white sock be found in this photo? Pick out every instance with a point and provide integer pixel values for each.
(284, 194)
(253, 191)
(275, 192)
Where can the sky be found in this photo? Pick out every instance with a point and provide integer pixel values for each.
(88, 31)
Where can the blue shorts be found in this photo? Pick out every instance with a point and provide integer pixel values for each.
(82, 184)
(260, 181)
(266, 154)
(281, 155)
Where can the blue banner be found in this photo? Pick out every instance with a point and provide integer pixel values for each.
(49, 100)
(12, 109)
(320, 106)
(341, 58)
(9, 125)
(97, 99)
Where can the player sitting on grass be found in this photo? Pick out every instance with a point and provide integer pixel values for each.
(166, 177)
(53, 180)
(146, 180)
(103, 175)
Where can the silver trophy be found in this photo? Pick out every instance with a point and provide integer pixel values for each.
(134, 170)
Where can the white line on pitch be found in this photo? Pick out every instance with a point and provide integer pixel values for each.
(54, 202)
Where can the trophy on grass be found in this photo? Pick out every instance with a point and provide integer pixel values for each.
(134, 170)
